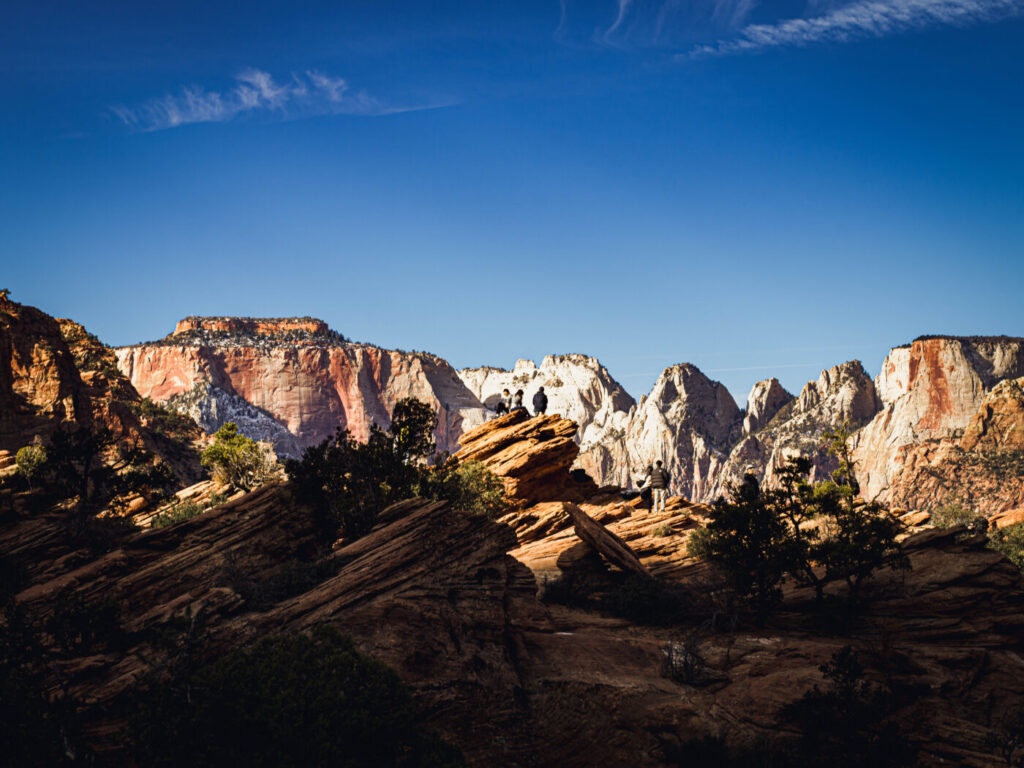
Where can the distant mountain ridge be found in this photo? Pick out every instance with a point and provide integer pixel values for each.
(303, 380)
(298, 375)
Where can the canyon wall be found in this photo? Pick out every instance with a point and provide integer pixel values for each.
(293, 382)
(911, 426)
(296, 376)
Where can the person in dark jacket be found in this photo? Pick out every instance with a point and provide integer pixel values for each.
(659, 486)
(540, 403)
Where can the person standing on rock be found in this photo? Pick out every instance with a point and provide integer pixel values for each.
(540, 403)
(517, 401)
(659, 486)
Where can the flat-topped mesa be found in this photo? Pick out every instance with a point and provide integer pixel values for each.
(260, 326)
(292, 381)
(224, 331)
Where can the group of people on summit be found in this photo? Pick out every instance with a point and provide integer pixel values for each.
(653, 484)
(508, 403)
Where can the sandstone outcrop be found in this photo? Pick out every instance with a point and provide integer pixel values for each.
(305, 377)
(531, 455)
(54, 374)
(40, 387)
(579, 388)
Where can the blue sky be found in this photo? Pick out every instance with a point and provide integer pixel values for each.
(759, 188)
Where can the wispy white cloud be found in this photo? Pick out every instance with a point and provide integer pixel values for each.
(666, 22)
(623, 10)
(860, 20)
(254, 92)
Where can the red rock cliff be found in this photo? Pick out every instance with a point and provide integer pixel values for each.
(312, 383)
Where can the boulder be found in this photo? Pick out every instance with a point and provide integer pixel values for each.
(614, 549)
(532, 455)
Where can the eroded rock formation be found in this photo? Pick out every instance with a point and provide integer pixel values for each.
(979, 468)
(54, 374)
(578, 388)
(929, 390)
(532, 456)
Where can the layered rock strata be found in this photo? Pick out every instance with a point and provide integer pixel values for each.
(929, 391)
(579, 388)
(435, 593)
(532, 455)
(979, 468)
(307, 378)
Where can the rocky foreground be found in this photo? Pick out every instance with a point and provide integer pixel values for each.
(452, 602)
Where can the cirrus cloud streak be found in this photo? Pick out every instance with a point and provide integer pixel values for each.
(255, 92)
(860, 20)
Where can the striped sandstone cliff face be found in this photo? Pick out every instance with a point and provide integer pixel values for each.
(302, 378)
(980, 467)
(930, 391)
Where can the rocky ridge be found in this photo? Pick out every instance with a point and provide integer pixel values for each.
(293, 382)
(926, 395)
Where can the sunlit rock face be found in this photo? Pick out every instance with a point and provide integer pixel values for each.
(931, 391)
(579, 388)
(688, 422)
(308, 379)
(55, 375)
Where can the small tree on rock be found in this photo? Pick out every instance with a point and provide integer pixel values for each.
(236, 459)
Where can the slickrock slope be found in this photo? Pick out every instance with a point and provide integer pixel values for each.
(299, 374)
(434, 593)
(579, 388)
(54, 374)
(929, 391)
